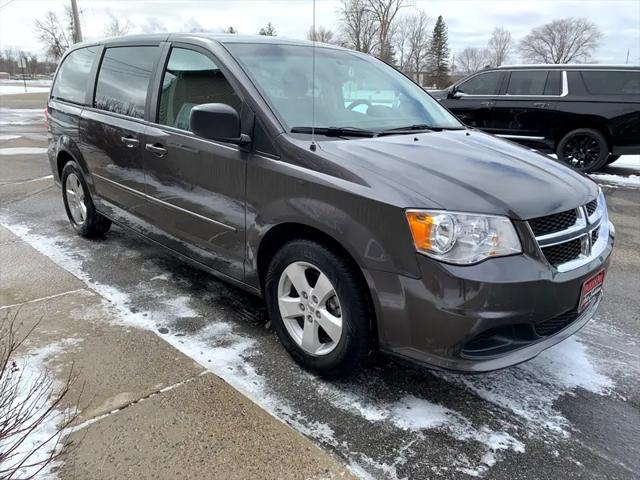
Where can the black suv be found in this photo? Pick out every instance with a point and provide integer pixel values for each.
(588, 115)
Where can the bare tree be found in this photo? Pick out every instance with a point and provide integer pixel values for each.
(418, 39)
(358, 26)
(384, 12)
(54, 34)
(321, 34)
(116, 28)
(28, 400)
(562, 41)
(500, 46)
(473, 59)
(230, 30)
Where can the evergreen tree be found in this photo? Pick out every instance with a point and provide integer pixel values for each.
(268, 31)
(438, 56)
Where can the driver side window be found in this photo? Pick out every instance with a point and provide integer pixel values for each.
(483, 84)
(190, 79)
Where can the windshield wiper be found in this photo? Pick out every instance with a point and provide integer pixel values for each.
(414, 128)
(337, 131)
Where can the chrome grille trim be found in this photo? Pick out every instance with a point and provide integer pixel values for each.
(593, 231)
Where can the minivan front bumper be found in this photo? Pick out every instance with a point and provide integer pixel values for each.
(483, 317)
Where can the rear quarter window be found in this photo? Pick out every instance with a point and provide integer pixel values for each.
(123, 79)
(482, 84)
(72, 79)
(612, 82)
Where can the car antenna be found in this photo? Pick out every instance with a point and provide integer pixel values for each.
(312, 147)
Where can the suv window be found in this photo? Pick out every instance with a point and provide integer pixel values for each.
(483, 84)
(612, 83)
(123, 79)
(73, 76)
(527, 82)
(190, 79)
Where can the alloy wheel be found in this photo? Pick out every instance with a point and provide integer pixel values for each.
(581, 151)
(75, 198)
(310, 308)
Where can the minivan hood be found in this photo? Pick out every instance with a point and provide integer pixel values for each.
(468, 171)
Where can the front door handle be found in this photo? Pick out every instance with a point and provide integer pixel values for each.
(541, 105)
(486, 104)
(130, 142)
(156, 149)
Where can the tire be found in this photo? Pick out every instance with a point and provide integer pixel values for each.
(584, 149)
(331, 355)
(82, 213)
(612, 158)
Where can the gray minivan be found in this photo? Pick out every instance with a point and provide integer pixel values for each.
(365, 214)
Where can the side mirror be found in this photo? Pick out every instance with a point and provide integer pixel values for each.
(217, 121)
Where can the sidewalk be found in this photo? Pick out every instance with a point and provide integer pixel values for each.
(146, 410)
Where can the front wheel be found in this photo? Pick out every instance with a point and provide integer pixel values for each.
(584, 149)
(81, 211)
(319, 307)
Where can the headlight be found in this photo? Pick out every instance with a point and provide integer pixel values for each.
(462, 238)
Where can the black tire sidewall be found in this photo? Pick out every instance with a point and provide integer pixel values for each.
(354, 345)
(602, 141)
(612, 158)
(94, 224)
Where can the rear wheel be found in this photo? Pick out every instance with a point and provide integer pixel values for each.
(81, 211)
(319, 308)
(584, 149)
(612, 158)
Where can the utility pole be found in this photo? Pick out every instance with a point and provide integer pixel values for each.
(627, 56)
(77, 30)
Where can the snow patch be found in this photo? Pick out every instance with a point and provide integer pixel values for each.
(630, 181)
(30, 373)
(22, 151)
(19, 89)
(530, 390)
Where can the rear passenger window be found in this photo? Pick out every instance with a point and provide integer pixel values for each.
(123, 79)
(73, 77)
(483, 84)
(612, 83)
(554, 83)
(527, 82)
(191, 78)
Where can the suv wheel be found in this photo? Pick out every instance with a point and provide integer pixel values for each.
(319, 308)
(77, 202)
(584, 149)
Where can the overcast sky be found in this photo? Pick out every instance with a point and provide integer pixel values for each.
(470, 22)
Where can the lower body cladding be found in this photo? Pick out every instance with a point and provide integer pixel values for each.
(483, 317)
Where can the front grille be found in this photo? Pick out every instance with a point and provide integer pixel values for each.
(591, 207)
(553, 223)
(555, 324)
(563, 252)
(594, 236)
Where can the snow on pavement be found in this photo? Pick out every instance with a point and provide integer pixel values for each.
(30, 376)
(528, 392)
(22, 151)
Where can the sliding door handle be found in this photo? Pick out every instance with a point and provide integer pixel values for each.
(487, 104)
(541, 105)
(156, 149)
(130, 142)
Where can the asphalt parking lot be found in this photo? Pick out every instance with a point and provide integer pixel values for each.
(573, 412)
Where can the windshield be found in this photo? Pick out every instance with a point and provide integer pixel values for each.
(351, 89)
